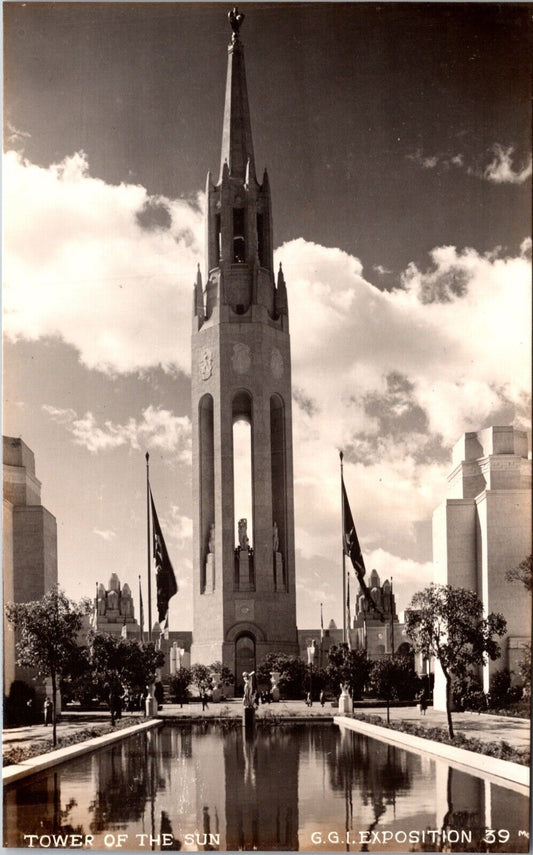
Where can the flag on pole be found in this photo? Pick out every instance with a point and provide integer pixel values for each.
(351, 541)
(353, 550)
(165, 579)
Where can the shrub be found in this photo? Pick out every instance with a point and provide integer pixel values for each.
(502, 750)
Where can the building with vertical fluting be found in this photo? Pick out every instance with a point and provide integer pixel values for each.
(29, 546)
(244, 575)
(483, 529)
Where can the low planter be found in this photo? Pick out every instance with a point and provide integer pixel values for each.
(471, 753)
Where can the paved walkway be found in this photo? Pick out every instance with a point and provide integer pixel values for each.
(488, 728)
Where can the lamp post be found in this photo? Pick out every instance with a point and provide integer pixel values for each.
(310, 658)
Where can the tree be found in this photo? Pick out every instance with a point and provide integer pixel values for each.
(120, 664)
(47, 631)
(522, 573)
(292, 673)
(447, 623)
(393, 678)
(348, 666)
(179, 683)
(201, 675)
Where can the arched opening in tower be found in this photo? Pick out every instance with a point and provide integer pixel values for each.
(239, 243)
(279, 492)
(242, 468)
(207, 489)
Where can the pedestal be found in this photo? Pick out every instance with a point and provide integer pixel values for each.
(248, 718)
(345, 704)
(210, 573)
(150, 704)
(278, 570)
(244, 570)
(274, 678)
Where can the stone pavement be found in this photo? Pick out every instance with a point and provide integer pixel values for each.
(488, 728)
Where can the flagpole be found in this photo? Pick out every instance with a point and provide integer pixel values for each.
(321, 636)
(391, 619)
(348, 608)
(341, 455)
(141, 611)
(148, 546)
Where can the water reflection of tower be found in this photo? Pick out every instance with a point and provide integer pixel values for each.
(259, 815)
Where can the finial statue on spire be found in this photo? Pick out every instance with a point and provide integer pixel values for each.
(235, 18)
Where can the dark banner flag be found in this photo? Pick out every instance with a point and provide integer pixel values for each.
(353, 549)
(351, 541)
(165, 579)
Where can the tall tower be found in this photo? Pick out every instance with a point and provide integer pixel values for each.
(244, 579)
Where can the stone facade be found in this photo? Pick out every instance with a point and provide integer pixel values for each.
(378, 630)
(29, 547)
(114, 611)
(244, 586)
(483, 529)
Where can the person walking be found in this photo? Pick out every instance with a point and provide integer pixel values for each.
(423, 702)
(322, 698)
(203, 698)
(47, 711)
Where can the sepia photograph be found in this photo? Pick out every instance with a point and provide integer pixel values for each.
(267, 426)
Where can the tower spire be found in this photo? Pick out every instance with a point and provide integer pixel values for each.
(237, 146)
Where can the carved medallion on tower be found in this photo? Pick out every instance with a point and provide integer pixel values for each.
(205, 363)
(276, 363)
(241, 359)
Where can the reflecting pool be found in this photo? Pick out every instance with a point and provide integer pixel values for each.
(292, 787)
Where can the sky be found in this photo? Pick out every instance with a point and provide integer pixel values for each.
(397, 140)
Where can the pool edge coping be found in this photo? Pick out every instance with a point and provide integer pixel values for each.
(493, 766)
(41, 762)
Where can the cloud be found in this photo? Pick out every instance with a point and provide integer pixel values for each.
(395, 378)
(426, 162)
(15, 137)
(74, 243)
(392, 377)
(179, 528)
(157, 429)
(105, 534)
(500, 170)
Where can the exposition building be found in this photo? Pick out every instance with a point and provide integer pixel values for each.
(483, 529)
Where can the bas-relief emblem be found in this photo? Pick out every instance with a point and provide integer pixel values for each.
(241, 359)
(276, 363)
(205, 363)
(244, 610)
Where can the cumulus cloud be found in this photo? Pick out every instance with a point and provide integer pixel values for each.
(395, 378)
(107, 268)
(391, 377)
(157, 429)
